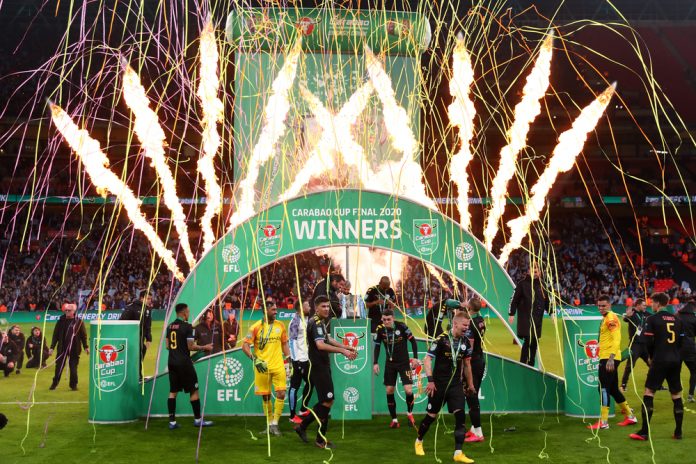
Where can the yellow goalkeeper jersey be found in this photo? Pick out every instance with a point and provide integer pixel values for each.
(610, 337)
(268, 342)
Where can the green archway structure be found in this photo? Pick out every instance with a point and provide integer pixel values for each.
(339, 218)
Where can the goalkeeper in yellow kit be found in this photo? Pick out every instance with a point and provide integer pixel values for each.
(270, 342)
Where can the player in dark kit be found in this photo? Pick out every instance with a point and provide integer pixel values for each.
(636, 319)
(182, 375)
(687, 315)
(395, 337)
(477, 329)
(664, 335)
(320, 344)
(452, 354)
(377, 299)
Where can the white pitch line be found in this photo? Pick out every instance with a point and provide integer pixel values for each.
(24, 403)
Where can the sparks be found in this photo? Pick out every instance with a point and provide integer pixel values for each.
(336, 137)
(395, 117)
(525, 112)
(274, 115)
(461, 114)
(212, 114)
(570, 144)
(97, 166)
(151, 136)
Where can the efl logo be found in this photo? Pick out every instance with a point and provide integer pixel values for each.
(230, 255)
(109, 353)
(592, 349)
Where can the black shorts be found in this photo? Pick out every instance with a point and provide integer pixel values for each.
(320, 380)
(658, 373)
(454, 396)
(402, 369)
(478, 370)
(182, 377)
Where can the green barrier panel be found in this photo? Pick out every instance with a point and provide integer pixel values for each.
(226, 382)
(507, 386)
(581, 365)
(114, 362)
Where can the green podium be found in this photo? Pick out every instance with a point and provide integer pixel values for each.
(352, 379)
(113, 373)
(581, 365)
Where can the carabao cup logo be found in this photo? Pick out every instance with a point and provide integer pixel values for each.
(352, 337)
(269, 237)
(228, 372)
(110, 363)
(426, 235)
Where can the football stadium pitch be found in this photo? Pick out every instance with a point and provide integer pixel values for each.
(51, 427)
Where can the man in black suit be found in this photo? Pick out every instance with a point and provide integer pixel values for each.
(529, 302)
(70, 336)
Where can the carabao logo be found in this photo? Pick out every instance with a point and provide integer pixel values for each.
(587, 360)
(228, 372)
(109, 353)
(110, 363)
(352, 337)
(592, 349)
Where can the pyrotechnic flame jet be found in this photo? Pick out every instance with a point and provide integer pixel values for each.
(97, 166)
(212, 106)
(461, 115)
(570, 144)
(151, 136)
(525, 112)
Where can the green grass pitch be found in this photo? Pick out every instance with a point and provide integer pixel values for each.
(55, 429)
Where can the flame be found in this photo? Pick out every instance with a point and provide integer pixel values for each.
(367, 265)
(461, 114)
(97, 166)
(570, 144)
(212, 114)
(336, 137)
(151, 136)
(525, 112)
(396, 119)
(274, 113)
